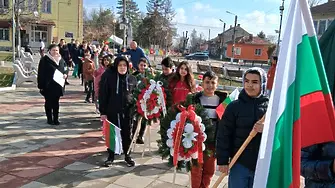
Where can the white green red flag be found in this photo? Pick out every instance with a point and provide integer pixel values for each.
(300, 111)
(221, 108)
(113, 137)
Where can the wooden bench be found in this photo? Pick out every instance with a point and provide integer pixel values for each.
(233, 74)
(202, 68)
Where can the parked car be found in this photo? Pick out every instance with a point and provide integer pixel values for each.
(197, 56)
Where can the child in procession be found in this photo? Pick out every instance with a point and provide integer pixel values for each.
(104, 64)
(210, 99)
(182, 83)
(115, 103)
(88, 70)
(239, 119)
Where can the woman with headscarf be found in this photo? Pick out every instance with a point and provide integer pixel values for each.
(49, 88)
(115, 103)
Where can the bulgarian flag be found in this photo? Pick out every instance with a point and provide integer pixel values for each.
(112, 137)
(221, 108)
(300, 111)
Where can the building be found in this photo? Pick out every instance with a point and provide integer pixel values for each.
(49, 20)
(249, 49)
(323, 15)
(217, 46)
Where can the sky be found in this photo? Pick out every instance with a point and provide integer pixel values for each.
(204, 15)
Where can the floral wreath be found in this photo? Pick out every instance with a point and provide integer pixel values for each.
(186, 136)
(151, 100)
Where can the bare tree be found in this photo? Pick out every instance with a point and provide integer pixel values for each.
(272, 39)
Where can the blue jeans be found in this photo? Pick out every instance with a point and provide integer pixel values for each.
(240, 177)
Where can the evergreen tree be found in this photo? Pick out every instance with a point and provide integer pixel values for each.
(261, 35)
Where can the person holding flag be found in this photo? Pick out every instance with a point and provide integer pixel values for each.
(240, 117)
(115, 96)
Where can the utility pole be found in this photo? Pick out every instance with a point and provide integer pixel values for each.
(13, 29)
(18, 27)
(124, 21)
(234, 38)
(281, 8)
(209, 34)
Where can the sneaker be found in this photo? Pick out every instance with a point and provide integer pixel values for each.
(108, 163)
(130, 162)
(87, 101)
(139, 141)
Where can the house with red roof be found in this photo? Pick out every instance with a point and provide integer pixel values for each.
(249, 49)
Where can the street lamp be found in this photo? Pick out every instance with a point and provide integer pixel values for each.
(222, 39)
(114, 24)
(281, 8)
(234, 36)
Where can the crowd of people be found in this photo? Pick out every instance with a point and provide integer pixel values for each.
(110, 78)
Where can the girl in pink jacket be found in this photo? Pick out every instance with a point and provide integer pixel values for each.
(104, 63)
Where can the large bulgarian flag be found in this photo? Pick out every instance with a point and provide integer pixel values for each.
(221, 108)
(300, 111)
(112, 135)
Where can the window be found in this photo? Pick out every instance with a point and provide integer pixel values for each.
(39, 32)
(4, 34)
(322, 27)
(237, 51)
(46, 6)
(258, 52)
(4, 3)
(329, 22)
(33, 5)
(315, 25)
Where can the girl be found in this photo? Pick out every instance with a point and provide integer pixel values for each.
(182, 83)
(49, 88)
(104, 63)
(115, 98)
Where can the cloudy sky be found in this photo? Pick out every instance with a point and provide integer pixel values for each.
(203, 15)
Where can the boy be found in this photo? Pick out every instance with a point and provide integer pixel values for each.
(167, 65)
(239, 118)
(271, 74)
(210, 99)
(88, 70)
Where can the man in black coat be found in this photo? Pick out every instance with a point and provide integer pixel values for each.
(239, 118)
(65, 53)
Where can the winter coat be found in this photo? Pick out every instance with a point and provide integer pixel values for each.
(88, 69)
(45, 82)
(116, 93)
(316, 165)
(65, 53)
(234, 128)
(215, 122)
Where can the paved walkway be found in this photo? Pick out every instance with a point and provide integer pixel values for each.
(35, 154)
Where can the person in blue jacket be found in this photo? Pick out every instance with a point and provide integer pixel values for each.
(136, 53)
(317, 165)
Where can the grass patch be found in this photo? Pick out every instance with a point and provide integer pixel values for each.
(6, 76)
(6, 56)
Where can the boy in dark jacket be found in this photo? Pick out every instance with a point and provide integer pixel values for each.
(210, 99)
(115, 96)
(167, 65)
(317, 165)
(239, 118)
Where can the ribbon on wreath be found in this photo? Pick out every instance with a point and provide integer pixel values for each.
(158, 86)
(190, 114)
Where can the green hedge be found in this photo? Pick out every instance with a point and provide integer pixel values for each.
(6, 79)
(6, 56)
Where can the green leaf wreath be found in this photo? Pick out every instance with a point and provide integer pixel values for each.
(164, 150)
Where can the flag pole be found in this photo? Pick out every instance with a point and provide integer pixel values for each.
(133, 142)
(252, 134)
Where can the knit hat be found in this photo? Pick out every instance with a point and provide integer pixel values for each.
(263, 75)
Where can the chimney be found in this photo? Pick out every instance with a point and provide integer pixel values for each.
(238, 25)
(250, 37)
(231, 26)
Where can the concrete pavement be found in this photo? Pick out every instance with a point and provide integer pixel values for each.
(35, 154)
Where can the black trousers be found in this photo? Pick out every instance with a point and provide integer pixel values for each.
(142, 130)
(51, 107)
(90, 91)
(125, 125)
